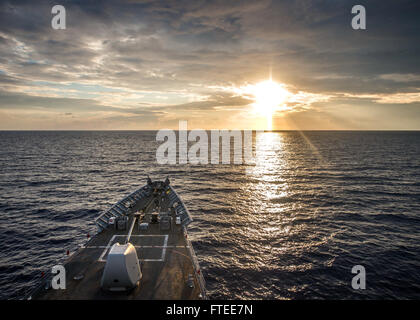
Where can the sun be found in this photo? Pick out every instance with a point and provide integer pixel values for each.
(269, 97)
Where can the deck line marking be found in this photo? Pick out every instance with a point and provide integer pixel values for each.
(165, 242)
(106, 249)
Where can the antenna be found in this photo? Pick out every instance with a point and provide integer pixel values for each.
(167, 182)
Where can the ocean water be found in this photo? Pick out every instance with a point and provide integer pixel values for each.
(291, 226)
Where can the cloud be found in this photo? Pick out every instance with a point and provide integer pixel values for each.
(23, 101)
(143, 53)
(395, 98)
(401, 77)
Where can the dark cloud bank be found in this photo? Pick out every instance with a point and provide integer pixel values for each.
(184, 47)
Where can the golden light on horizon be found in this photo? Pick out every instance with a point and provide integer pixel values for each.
(269, 98)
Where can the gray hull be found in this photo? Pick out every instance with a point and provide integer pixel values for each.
(156, 220)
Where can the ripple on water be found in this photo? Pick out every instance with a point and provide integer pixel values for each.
(290, 227)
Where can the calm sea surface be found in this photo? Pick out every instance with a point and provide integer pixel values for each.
(290, 227)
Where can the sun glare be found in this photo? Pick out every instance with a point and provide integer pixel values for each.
(269, 97)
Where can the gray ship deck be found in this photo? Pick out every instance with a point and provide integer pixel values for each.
(166, 257)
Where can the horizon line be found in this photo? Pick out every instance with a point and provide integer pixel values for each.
(144, 130)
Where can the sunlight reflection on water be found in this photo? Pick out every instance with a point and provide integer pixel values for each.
(288, 227)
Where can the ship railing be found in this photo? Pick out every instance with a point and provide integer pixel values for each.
(43, 280)
(196, 266)
(181, 209)
(119, 208)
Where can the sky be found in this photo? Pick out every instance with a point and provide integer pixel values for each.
(145, 65)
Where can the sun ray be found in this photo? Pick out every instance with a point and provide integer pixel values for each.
(269, 97)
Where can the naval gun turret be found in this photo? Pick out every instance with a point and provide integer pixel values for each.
(122, 270)
(109, 261)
